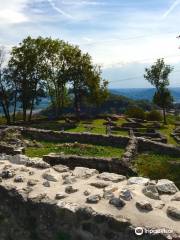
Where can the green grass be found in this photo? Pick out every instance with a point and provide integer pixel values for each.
(166, 130)
(75, 149)
(158, 166)
(97, 125)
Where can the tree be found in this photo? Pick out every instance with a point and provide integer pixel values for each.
(56, 72)
(5, 87)
(85, 79)
(26, 64)
(158, 76)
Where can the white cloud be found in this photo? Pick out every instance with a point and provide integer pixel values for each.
(12, 11)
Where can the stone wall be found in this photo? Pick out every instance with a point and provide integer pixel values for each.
(38, 134)
(148, 145)
(32, 219)
(4, 148)
(101, 164)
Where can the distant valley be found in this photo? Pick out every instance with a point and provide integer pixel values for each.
(144, 93)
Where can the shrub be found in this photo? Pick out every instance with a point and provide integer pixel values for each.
(154, 115)
(136, 112)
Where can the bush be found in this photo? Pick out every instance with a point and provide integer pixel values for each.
(136, 112)
(154, 115)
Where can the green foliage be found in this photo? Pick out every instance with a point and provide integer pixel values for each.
(158, 76)
(136, 112)
(43, 64)
(154, 115)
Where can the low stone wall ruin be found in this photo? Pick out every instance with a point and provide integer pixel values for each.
(101, 164)
(38, 134)
(148, 145)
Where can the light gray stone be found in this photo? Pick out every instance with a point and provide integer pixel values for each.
(60, 196)
(166, 186)
(144, 205)
(173, 212)
(151, 192)
(82, 172)
(138, 180)
(32, 182)
(69, 180)
(46, 184)
(93, 199)
(176, 197)
(106, 176)
(70, 189)
(61, 168)
(18, 179)
(87, 192)
(50, 177)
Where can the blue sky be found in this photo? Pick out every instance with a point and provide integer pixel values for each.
(123, 36)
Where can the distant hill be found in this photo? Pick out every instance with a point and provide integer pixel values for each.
(143, 93)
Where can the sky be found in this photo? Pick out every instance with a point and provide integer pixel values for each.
(123, 36)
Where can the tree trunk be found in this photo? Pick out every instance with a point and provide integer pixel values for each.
(24, 113)
(7, 116)
(15, 105)
(77, 107)
(164, 116)
(31, 110)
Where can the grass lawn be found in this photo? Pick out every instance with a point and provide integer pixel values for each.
(158, 166)
(76, 148)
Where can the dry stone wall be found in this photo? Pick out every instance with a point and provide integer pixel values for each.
(101, 164)
(38, 134)
(57, 203)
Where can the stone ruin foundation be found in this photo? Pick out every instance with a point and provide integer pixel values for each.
(39, 201)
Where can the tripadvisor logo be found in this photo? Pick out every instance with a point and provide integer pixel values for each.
(139, 231)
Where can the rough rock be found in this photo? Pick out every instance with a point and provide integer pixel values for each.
(165, 186)
(61, 168)
(50, 177)
(176, 197)
(69, 180)
(87, 193)
(106, 176)
(70, 189)
(93, 199)
(138, 180)
(144, 205)
(60, 196)
(173, 212)
(32, 182)
(46, 184)
(126, 194)
(151, 192)
(108, 195)
(82, 172)
(117, 202)
(99, 184)
(37, 163)
(18, 179)
(7, 174)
